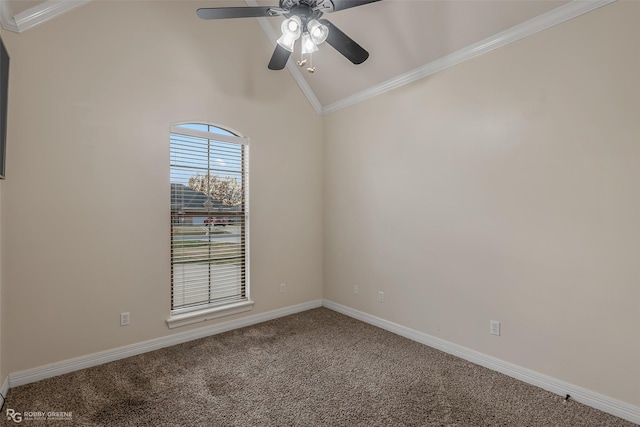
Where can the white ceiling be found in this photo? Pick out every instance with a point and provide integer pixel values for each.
(406, 39)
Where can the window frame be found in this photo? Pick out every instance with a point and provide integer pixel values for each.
(198, 313)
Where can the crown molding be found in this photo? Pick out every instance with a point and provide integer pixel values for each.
(35, 15)
(534, 25)
(6, 16)
(52, 8)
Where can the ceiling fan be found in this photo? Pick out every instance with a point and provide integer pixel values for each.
(302, 19)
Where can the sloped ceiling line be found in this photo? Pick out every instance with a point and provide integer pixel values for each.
(44, 12)
(539, 23)
(35, 15)
(6, 17)
(50, 9)
(293, 69)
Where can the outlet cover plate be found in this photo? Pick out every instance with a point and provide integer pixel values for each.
(124, 319)
(494, 327)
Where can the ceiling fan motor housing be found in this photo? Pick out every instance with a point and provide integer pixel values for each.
(305, 11)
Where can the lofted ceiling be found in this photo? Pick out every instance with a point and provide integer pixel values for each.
(406, 39)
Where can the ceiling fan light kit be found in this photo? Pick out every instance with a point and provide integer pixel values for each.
(318, 32)
(302, 19)
(292, 27)
(307, 45)
(291, 30)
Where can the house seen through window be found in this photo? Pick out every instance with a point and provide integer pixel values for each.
(209, 213)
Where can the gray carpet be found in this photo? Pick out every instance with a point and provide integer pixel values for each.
(317, 368)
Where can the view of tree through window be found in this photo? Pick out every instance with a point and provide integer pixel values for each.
(208, 217)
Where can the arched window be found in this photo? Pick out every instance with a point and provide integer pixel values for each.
(209, 223)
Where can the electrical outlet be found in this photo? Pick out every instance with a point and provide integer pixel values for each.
(283, 288)
(124, 319)
(380, 296)
(356, 290)
(494, 327)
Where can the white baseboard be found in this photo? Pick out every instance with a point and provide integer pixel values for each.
(590, 398)
(579, 394)
(82, 362)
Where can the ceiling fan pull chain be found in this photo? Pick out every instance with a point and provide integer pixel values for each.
(302, 61)
(311, 68)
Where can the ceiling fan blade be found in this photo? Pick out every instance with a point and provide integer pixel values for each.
(233, 12)
(346, 4)
(344, 44)
(279, 58)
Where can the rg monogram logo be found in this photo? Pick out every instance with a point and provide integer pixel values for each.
(13, 415)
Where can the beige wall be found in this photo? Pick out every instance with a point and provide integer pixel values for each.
(505, 188)
(85, 203)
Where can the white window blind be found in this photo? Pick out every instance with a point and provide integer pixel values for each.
(209, 217)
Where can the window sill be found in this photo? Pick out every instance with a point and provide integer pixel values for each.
(185, 319)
